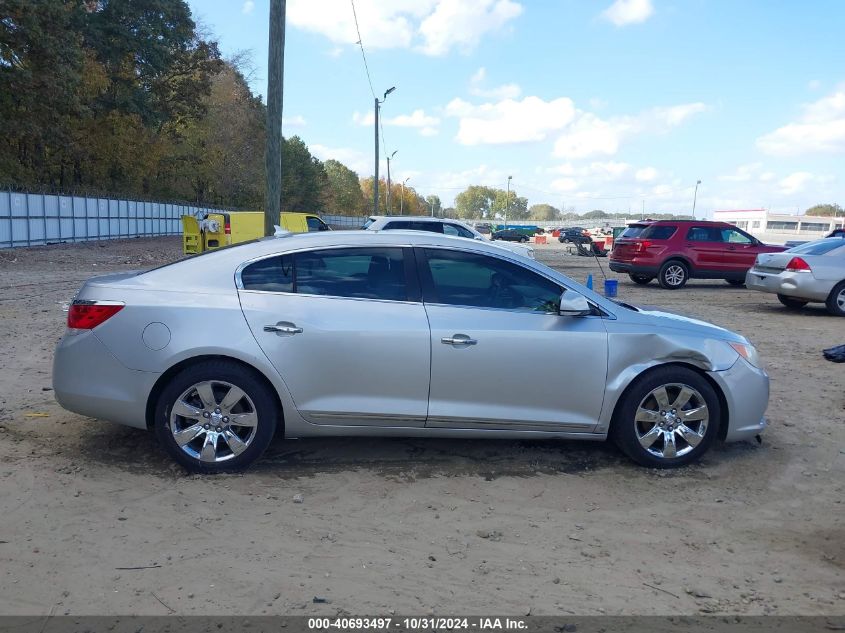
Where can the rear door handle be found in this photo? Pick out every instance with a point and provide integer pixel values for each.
(283, 327)
(458, 339)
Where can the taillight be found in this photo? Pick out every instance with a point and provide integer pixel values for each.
(227, 228)
(86, 315)
(642, 245)
(798, 265)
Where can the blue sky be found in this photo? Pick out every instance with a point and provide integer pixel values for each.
(588, 104)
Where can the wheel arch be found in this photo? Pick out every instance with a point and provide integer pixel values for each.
(678, 258)
(165, 377)
(724, 417)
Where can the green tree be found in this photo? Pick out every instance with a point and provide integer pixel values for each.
(434, 205)
(543, 212)
(826, 210)
(345, 195)
(509, 206)
(596, 214)
(475, 201)
(304, 181)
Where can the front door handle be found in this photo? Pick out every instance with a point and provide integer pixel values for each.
(283, 327)
(458, 339)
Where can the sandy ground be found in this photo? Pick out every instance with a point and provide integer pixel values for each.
(95, 519)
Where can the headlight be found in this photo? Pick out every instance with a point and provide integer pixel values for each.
(747, 352)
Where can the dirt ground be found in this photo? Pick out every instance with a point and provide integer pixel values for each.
(95, 519)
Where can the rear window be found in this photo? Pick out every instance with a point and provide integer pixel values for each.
(832, 246)
(408, 225)
(661, 232)
(633, 231)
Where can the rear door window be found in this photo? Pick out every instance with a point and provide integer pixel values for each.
(316, 224)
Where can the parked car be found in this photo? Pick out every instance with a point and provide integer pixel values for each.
(812, 272)
(510, 235)
(840, 232)
(397, 334)
(675, 251)
(437, 225)
(573, 234)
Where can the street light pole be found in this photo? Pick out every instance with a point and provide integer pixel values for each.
(388, 180)
(694, 196)
(375, 178)
(402, 200)
(508, 201)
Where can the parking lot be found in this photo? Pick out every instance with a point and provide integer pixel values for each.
(92, 513)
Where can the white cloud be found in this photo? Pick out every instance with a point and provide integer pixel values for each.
(367, 119)
(505, 91)
(425, 123)
(798, 181)
(433, 27)
(590, 135)
(646, 174)
(352, 158)
(249, 6)
(509, 121)
(462, 24)
(294, 121)
(624, 12)
(819, 130)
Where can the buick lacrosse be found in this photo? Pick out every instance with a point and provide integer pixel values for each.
(395, 333)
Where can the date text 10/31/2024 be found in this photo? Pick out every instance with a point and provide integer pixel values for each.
(418, 624)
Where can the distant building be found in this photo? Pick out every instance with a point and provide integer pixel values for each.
(779, 227)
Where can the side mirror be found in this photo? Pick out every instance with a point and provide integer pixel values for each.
(574, 304)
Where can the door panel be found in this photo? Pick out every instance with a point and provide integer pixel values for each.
(525, 371)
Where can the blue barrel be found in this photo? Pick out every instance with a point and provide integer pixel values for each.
(610, 287)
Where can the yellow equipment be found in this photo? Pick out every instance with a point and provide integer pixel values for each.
(222, 228)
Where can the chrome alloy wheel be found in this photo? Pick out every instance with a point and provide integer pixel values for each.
(671, 420)
(675, 275)
(840, 300)
(213, 421)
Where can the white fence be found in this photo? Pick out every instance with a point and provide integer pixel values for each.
(30, 219)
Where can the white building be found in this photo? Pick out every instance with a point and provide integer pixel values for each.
(778, 228)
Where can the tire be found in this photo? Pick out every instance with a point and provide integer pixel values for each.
(640, 279)
(792, 304)
(563, 240)
(640, 435)
(235, 446)
(673, 275)
(736, 282)
(836, 300)
(523, 239)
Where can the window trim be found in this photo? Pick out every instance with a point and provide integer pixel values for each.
(412, 282)
(428, 289)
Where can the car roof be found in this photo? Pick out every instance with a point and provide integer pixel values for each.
(696, 222)
(415, 218)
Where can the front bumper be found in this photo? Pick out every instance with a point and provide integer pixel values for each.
(89, 380)
(746, 390)
(791, 284)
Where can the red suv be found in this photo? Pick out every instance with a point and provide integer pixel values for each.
(677, 250)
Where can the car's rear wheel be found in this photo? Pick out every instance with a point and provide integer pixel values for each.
(668, 418)
(640, 279)
(836, 300)
(216, 416)
(792, 304)
(673, 275)
(736, 282)
(523, 239)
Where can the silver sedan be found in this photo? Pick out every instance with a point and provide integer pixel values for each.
(395, 333)
(812, 272)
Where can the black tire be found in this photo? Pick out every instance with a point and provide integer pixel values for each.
(836, 300)
(736, 282)
(563, 240)
(259, 400)
(673, 275)
(640, 279)
(625, 430)
(792, 304)
(523, 239)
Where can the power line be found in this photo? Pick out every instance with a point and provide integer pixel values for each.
(363, 54)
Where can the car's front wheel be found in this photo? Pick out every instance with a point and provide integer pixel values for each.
(836, 300)
(216, 416)
(673, 275)
(792, 304)
(523, 239)
(640, 279)
(669, 417)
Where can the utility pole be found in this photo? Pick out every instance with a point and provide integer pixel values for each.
(275, 88)
(375, 179)
(388, 181)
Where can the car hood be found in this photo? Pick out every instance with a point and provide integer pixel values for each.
(519, 249)
(661, 319)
